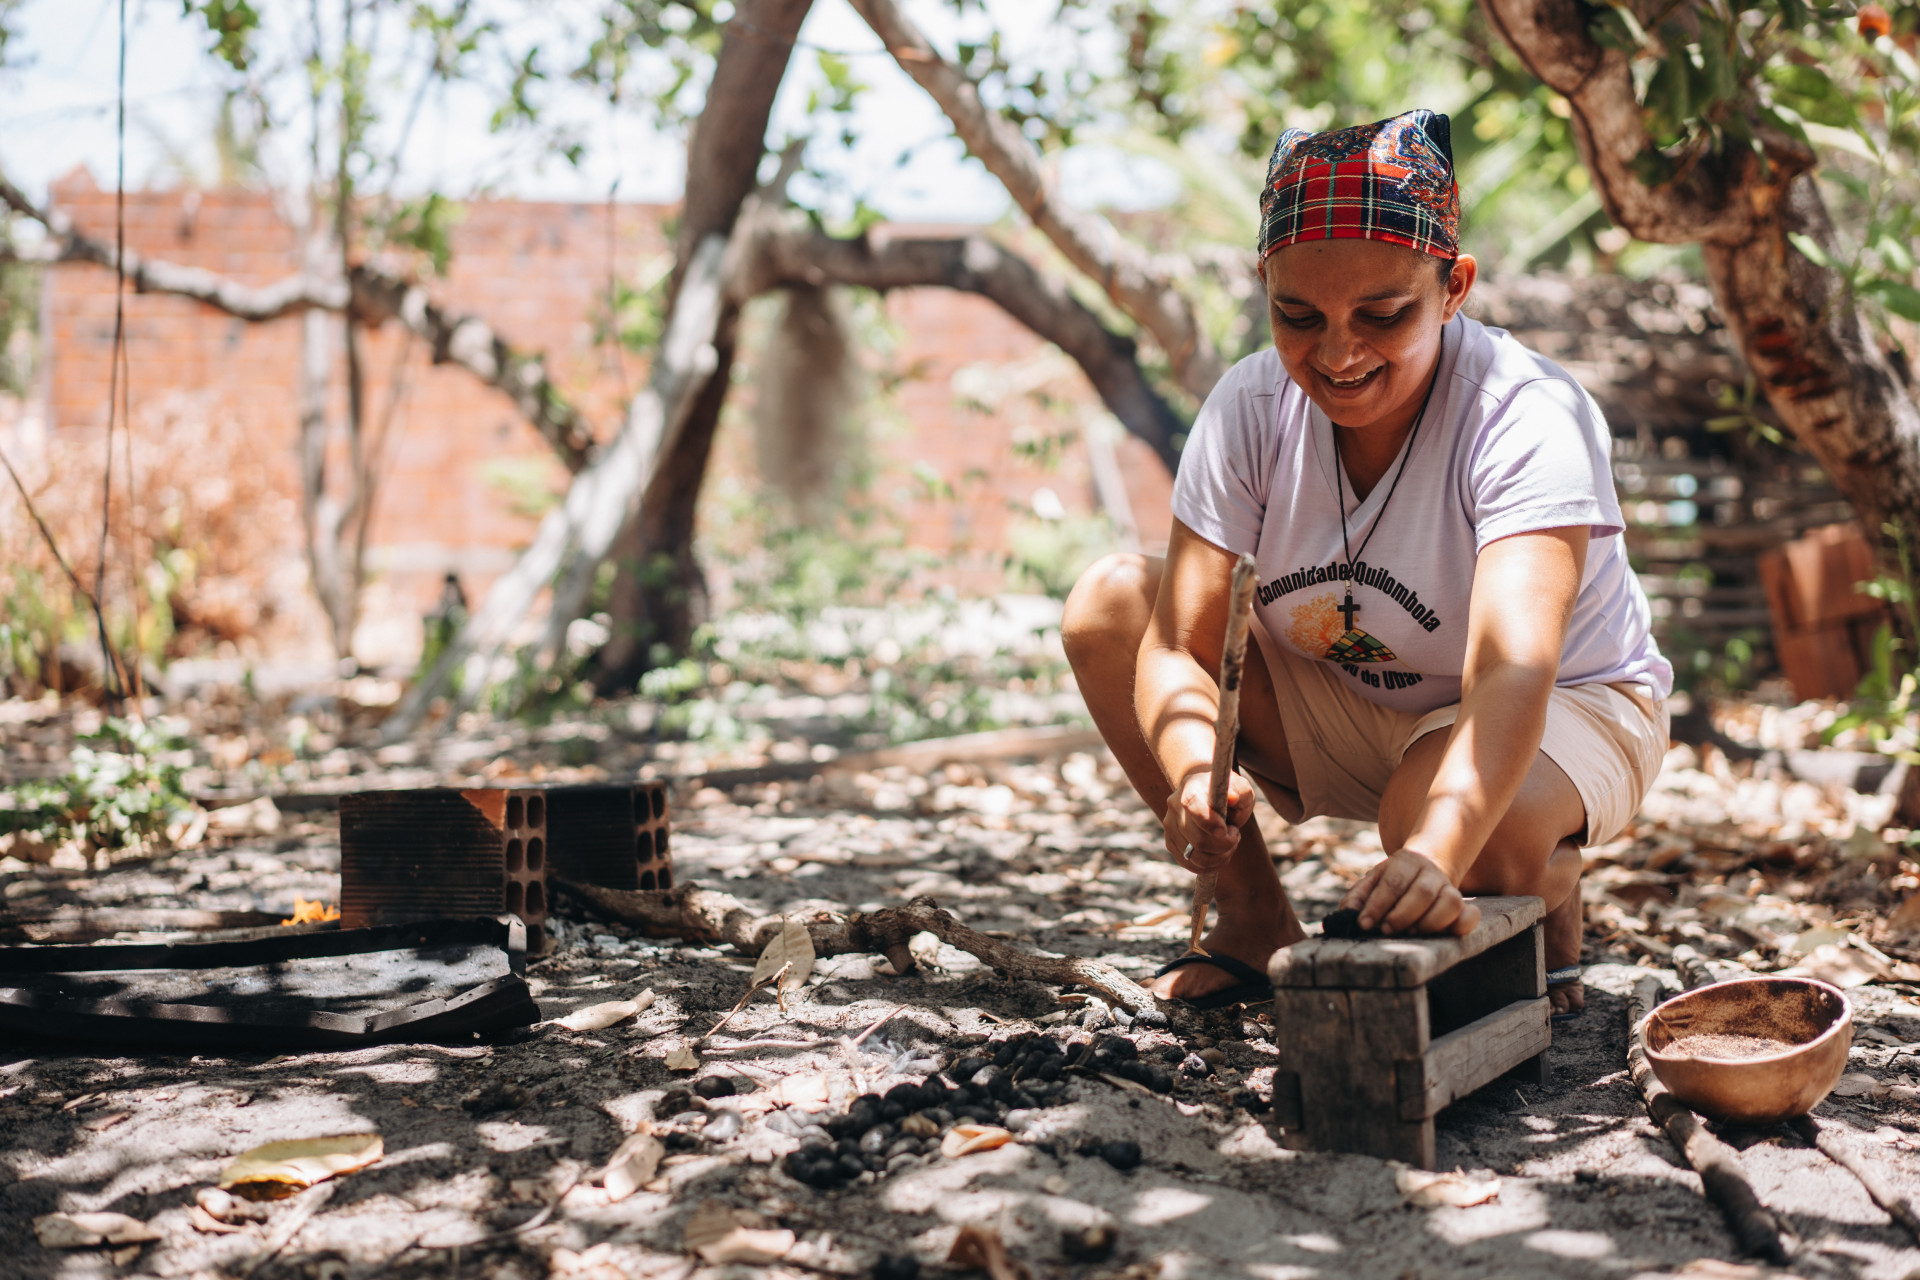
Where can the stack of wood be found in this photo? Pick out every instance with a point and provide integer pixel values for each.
(1823, 624)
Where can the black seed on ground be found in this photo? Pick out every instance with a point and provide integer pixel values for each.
(1088, 1244)
(1248, 1100)
(891, 1112)
(965, 1069)
(1152, 1019)
(850, 1167)
(1123, 1154)
(1048, 1069)
(896, 1266)
(1119, 1047)
(908, 1097)
(1158, 1080)
(1172, 1053)
(1006, 1052)
(711, 1087)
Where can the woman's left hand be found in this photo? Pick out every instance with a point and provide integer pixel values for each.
(1409, 893)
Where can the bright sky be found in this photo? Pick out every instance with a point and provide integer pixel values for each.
(57, 111)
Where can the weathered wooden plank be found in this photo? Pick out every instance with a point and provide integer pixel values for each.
(1399, 962)
(1461, 1061)
(1343, 1046)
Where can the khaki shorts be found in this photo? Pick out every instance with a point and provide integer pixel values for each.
(1609, 739)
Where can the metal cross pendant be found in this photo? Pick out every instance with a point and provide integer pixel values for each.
(1347, 610)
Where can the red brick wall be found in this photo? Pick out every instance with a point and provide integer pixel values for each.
(538, 274)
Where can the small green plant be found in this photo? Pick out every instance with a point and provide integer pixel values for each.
(123, 789)
(1885, 708)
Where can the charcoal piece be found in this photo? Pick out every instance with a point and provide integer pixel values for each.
(500, 1097)
(1152, 1019)
(939, 1115)
(851, 1167)
(1248, 1100)
(1119, 1047)
(1021, 1100)
(679, 1140)
(814, 1167)
(1122, 1154)
(908, 1097)
(1172, 1053)
(711, 1087)
(968, 1067)
(1088, 1244)
(892, 1112)
(933, 1091)
(1048, 1069)
(1006, 1051)
(1158, 1080)
(864, 1113)
(847, 1147)
(1345, 923)
(1134, 1070)
(896, 1266)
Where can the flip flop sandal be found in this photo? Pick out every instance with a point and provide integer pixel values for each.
(1251, 988)
(1567, 977)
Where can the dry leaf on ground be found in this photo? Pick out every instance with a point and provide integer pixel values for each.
(965, 1139)
(1433, 1190)
(722, 1235)
(598, 1017)
(1858, 1084)
(206, 1222)
(632, 1166)
(86, 1230)
(682, 1058)
(981, 1249)
(279, 1169)
(807, 1092)
(792, 950)
(602, 1262)
(1839, 964)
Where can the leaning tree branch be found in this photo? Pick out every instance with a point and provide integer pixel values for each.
(1809, 345)
(374, 296)
(575, 537)
(702, 915)
(784, 251)
(1721, 1177)
(1143, 287)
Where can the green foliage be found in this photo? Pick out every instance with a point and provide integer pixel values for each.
(1049, 555)
(232, 23)
(19, 314)
(123, 789)
(424, 226)
(1886, 706)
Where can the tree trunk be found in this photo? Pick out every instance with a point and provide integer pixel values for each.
(659, 592)
(658, 589)
(1810, 349)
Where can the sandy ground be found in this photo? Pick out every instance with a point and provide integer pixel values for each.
(1058, 858)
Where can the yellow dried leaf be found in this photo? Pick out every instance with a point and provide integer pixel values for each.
(682, 1058)
(791, 949)
(598, 1017)
(85, 1230)
(1456, 1190)
(279, 1169)
(632, 1166)
(965, 1139)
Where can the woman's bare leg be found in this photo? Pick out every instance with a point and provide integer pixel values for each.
(1106, 617)
(1531, 851)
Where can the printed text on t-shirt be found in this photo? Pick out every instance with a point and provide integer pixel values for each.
(1364, 574)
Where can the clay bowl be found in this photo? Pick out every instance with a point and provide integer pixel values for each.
(1811, 1017)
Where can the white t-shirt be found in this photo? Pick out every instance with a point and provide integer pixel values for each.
(1510, 444)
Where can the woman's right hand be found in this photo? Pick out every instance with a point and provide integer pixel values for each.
(1191, 824)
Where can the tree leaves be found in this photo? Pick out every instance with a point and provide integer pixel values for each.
(277, 1170)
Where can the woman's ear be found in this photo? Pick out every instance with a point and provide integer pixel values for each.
(1459, 284)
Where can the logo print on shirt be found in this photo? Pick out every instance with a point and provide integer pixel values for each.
(1319, 628)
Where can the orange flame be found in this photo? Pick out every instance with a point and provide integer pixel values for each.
(305, 912)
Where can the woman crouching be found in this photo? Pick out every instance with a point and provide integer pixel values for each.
(1450, 641)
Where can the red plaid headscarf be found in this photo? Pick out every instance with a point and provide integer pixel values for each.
(1391, 180)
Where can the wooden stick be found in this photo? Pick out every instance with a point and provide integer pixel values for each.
(1226, 726)
(701, 915)
(1753, 1225)
(1898, 1207)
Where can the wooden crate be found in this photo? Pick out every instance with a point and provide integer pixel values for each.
(425, 854)
(1377, 1036)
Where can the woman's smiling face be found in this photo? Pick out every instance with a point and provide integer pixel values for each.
(1357, 324)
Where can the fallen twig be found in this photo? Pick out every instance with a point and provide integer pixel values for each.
(703, 915)
(1898, 1207)
(1725, 1183)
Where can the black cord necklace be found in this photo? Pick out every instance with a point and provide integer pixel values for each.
(1348, 609)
